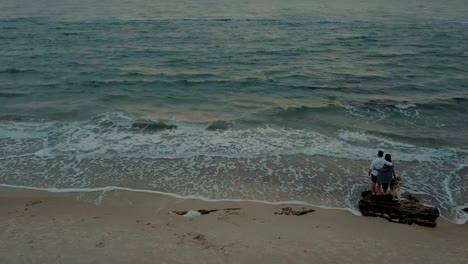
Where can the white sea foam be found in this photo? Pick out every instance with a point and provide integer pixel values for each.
(329, 182)
(403, 106)
(353, 136)
(270, 163)
(93, 139)
(380, 112)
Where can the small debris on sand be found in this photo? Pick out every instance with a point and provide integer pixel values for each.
(199, 237)
(204, 211)
(290, 211)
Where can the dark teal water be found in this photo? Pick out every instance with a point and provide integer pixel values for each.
(303, 94)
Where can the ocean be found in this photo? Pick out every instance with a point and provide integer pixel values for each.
(271, 101)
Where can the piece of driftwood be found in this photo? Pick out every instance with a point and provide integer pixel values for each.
(199, 237)
(290, 211)
(406, 211)
(34, 203)
(204, 211)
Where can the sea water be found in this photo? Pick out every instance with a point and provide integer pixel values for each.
(244, 100)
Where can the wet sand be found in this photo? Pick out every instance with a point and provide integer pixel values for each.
(129, 227)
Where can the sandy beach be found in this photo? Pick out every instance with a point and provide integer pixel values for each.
(129, 227)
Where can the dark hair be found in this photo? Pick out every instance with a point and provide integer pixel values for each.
(380, 153)
(388, 157)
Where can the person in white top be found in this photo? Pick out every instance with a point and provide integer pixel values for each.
(376, 165)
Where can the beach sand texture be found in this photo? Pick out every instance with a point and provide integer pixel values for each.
(128, 227)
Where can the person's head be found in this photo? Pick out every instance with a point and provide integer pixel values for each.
(388, 157)
(380, 154)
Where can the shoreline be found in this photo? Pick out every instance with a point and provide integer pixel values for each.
(103, 190)
(173, 195)
(125, 227)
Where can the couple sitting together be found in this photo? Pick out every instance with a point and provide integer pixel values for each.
(381, 171)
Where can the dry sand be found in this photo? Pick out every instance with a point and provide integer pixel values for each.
(128, 227)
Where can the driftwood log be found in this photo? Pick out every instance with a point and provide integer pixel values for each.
(290, 211)
(406, 211)
(204, 211)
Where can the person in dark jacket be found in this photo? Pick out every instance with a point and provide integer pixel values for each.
(385, 175)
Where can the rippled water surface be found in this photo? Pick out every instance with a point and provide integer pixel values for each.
(262, 100)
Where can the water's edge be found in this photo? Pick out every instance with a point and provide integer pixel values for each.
(190, 197)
